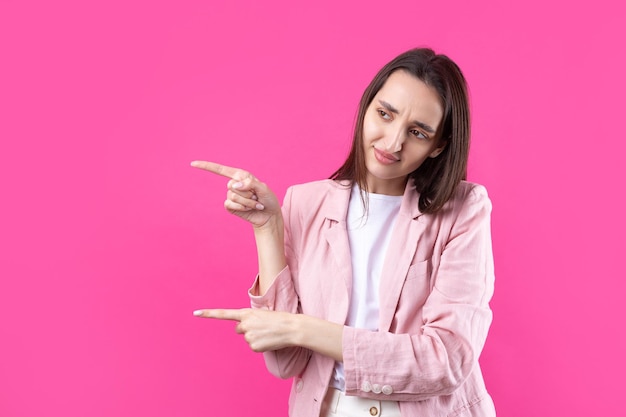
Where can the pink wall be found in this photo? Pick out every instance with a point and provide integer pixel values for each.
(109, 240)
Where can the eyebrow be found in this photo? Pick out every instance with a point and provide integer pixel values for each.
(392, 109)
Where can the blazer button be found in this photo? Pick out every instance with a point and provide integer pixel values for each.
(376, 389)
(373, 411)
(299, 385)
(365, 386)
(387, 390)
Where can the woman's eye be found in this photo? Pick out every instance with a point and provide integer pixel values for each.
(384, 114)
(418, 134)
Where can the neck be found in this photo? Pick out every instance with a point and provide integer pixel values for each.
(387, 187)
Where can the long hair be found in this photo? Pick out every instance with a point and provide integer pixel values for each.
(436, 178)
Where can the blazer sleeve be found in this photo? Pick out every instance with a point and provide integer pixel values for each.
(282, 296)
(438, 358)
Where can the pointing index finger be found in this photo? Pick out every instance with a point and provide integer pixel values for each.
(220, 314)
(223, 170)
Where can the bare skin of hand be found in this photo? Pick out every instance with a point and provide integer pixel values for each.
(266, 330)
(263, 330)
(246, 196)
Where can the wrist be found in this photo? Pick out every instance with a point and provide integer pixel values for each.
(273, 225)
(298, 330)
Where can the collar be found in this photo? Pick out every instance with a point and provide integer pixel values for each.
(339, 200)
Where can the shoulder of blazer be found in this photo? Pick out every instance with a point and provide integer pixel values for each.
(471, 193)
(468, 194)
(325, 198)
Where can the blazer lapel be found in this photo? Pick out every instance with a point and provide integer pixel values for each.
(409, 226)
(336, 235)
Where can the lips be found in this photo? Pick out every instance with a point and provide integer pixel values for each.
(385, 158)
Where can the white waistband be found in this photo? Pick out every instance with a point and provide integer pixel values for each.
(338, 404)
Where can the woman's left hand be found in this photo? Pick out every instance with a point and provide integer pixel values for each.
(263, 330)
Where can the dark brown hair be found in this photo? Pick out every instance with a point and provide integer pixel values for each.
(437, 178)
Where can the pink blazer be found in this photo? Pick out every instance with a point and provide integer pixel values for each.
(434, 294)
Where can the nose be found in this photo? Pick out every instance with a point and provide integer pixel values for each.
(395, 141)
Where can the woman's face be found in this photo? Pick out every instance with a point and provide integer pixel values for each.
(400, 130)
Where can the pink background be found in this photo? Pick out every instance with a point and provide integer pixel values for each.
(109, 240)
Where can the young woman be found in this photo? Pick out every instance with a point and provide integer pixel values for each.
(374, 285)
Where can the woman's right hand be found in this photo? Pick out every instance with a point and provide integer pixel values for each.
(246, 196)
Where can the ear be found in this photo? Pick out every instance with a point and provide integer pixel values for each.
(435, 153)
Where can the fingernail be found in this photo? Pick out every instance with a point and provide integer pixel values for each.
(197, 313)
(259, 206)
(237, 185)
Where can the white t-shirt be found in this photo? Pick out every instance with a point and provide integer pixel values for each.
(369, 235)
